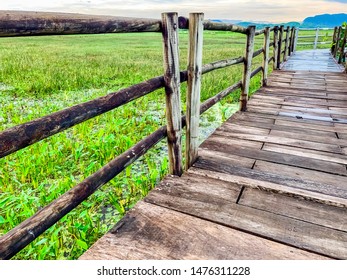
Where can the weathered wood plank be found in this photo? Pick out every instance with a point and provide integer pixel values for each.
(283, 141)
(223, 166)
(301, 173)
(272, 187)
(276, 227)
(308, 211)
(231, 159)
(222, 144)
(173, 93)
(194, 86)
(152, 232)
(301, 135)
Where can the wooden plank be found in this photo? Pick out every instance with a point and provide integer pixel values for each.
(272, 187)
(300, 135)
(222, 210)
(250, 123)
(196, 31)
(308, 211)
(301, 173)
(221, 144)
(222, 167)
(227, 158)
(215, 138)
(236, 128)
(283, 141)
(152, 232)
(172, 89)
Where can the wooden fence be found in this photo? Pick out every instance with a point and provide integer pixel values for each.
(279, 43)
(314, 40)
(338, 46)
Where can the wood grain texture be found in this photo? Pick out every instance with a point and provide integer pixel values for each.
(266, 49)
(222, 209)
(247, 70)
(194, 87)
(18, 23)
(173, 92)
(145, 233)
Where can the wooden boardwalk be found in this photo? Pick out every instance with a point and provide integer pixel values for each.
(270, 183)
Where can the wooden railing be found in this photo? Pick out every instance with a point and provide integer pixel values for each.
(315, 40)
(338, 46)
(21, 136)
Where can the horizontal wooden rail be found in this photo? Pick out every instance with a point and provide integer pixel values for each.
(256, 71)
(213, 100)
(23, 234)
(21, 136)
(258, 52)
(13, 23)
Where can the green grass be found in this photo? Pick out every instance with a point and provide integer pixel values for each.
(40, 75)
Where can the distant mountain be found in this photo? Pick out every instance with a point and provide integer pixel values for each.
(325, 20)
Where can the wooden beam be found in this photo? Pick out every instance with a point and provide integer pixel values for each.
(247, 67)
(13, 23)
(196, 30)
(173, 93)
(23, 135)
(279, 52)
(337, 42)
(343, 45)
(275, 49)
(292, 39)
(316, 39)
(333, 45)
(266, 54)
(286, 46)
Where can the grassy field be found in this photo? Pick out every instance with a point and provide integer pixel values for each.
(40, 75)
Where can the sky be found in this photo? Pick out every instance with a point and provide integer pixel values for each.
(254, 10)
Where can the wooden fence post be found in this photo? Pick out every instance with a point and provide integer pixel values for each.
(279, 52)
(285, 55)
(296, 38)
(333, 45)
(196, 30)
(316, 39)
(172, 89)
(291, 41)
(247, 70)
(275, 50)
(343, 45)
(337, 42)
(266, 54)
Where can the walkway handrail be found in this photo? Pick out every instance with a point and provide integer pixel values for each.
(26, 134)
(338, 45)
